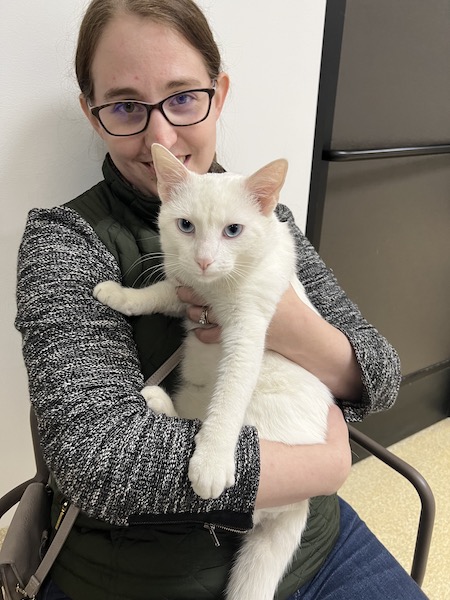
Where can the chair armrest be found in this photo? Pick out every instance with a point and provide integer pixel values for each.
(428, 505)
(12, 497)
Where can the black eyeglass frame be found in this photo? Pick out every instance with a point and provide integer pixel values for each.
(95, 110)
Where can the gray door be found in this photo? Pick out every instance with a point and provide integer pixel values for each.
(381, 220)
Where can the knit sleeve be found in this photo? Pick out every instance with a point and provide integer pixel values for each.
(109, 454)
(378, 360)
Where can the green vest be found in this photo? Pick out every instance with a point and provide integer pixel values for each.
(161, 561)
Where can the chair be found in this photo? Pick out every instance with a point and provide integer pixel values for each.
(426, 522)
(12, 497)
(428, 505)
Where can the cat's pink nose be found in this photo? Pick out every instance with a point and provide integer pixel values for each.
(204, 263)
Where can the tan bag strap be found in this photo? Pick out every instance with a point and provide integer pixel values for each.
(166, 368)
(33, 586)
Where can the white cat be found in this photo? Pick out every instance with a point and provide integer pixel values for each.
(220, 236)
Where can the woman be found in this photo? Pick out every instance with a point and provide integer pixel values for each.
(143, 533)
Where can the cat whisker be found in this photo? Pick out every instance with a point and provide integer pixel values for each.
(150, 279)
(150, 275)
(154, 256)
(233, 278)
(144, 257)
(144, 239)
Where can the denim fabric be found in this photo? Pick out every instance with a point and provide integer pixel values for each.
(359, 566)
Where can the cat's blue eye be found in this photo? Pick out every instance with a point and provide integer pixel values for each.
(185, 226)
(234, 230)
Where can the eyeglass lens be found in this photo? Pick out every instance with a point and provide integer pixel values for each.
(129, 117)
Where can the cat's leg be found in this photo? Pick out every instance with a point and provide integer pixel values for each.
(160, 297)
(158, 400)
(266, 554)
(212, 466)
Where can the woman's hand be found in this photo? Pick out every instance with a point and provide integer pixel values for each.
(209, 335)
(290, 474)
(303, 336)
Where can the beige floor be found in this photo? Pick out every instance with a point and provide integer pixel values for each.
(390, 506)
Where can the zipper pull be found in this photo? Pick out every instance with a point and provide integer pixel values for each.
(62, 514)
(212, 530)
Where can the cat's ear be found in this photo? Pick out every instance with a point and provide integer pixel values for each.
(265, 185)
(169, 171)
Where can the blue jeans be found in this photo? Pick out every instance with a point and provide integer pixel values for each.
(359, 567)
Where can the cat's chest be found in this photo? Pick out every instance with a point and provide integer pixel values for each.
(200, 362)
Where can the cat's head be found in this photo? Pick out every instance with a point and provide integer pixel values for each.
(214, 226)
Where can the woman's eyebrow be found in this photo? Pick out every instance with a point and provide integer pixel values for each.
(133, 93)
(125, 92)
(180, 84)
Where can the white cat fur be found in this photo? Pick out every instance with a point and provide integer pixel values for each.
(237, 382)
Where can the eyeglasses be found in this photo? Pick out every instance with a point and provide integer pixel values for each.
(130, 117)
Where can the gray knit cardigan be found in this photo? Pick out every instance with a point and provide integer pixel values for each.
(108, 452)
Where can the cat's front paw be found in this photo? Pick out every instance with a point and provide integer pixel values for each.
(211, 470)
(158, 400)
(112, 294)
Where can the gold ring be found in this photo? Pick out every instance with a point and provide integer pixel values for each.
(204, 316)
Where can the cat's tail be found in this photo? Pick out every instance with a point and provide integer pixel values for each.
(266, 553)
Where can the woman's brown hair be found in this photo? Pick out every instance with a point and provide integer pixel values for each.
(184, 16)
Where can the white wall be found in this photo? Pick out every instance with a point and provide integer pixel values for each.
(48, 153)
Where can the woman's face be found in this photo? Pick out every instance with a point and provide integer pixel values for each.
(138, 59)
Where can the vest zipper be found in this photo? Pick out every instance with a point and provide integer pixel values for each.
(212, 530)
(211, 527)
(62, 514)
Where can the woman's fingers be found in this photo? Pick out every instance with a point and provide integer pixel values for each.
(208, 331)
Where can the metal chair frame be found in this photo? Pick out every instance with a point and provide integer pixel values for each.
(428, 507)
(12, 497)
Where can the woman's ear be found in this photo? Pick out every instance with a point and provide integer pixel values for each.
(222, 86)
(90, 117)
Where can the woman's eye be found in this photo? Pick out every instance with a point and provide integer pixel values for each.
(185, 226)
(233, 230)
(128, 108)
(181, 102)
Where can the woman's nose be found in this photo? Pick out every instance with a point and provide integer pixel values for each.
(159, 130)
